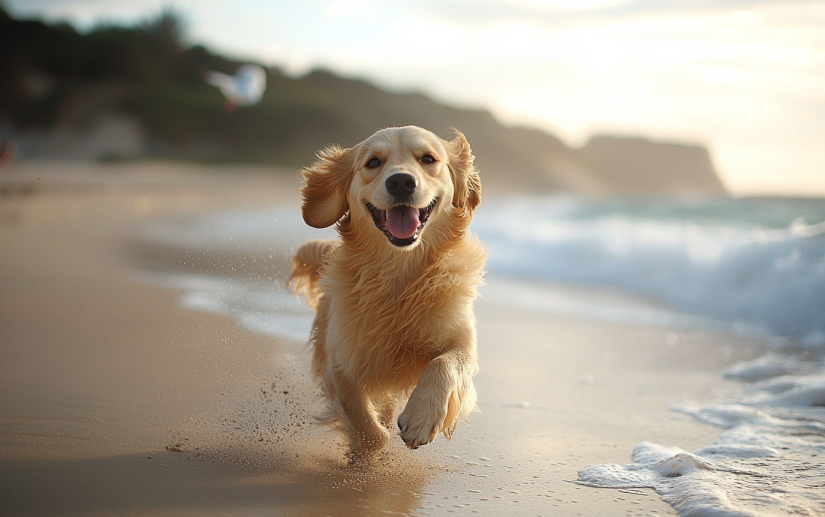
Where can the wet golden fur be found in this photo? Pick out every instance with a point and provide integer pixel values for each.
(393, 322)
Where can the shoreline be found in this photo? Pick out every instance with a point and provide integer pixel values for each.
(100, 372)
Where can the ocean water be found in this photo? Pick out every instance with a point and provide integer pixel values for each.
(750, 263)
(752, 266)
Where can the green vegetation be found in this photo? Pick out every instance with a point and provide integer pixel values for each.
(54, 75)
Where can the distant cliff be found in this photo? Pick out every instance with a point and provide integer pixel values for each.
(133, 92)
(636, 165)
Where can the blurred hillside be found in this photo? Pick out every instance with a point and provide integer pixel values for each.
(120, 92)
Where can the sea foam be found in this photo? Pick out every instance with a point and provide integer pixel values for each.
(770, 460)
(738, 479)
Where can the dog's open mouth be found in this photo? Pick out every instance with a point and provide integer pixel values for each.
(402, 224)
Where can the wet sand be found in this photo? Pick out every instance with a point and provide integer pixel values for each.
(114, 400)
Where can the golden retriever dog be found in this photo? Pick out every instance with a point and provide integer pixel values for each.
(394, 295)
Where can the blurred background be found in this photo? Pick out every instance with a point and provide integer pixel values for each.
(600, 96)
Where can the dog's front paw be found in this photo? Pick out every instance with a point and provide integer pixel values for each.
(419, 428)
(424, 417)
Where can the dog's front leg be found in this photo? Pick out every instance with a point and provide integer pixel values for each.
(358, 417)
(444, 392)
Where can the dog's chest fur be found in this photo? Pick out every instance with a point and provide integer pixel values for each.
(393, 317)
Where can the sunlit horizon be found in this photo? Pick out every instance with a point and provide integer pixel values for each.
(745, 79)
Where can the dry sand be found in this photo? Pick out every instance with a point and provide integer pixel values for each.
(114, 400)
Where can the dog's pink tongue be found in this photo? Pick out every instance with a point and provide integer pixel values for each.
(402, 221)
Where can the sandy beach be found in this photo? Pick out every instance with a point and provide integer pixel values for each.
(116, 399)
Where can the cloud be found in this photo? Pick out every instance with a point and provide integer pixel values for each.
(568, 13)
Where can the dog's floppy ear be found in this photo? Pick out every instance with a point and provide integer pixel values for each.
(466, 181)
(325, 187)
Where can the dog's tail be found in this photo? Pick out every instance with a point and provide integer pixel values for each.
(306, 269)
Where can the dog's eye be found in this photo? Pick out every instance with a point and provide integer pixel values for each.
(373, 163)
(428, 158)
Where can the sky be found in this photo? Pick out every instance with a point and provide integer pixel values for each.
(745, 78)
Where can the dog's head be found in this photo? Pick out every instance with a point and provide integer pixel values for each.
(397, 183)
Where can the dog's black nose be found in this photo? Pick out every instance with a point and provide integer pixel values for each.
(401, 185)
